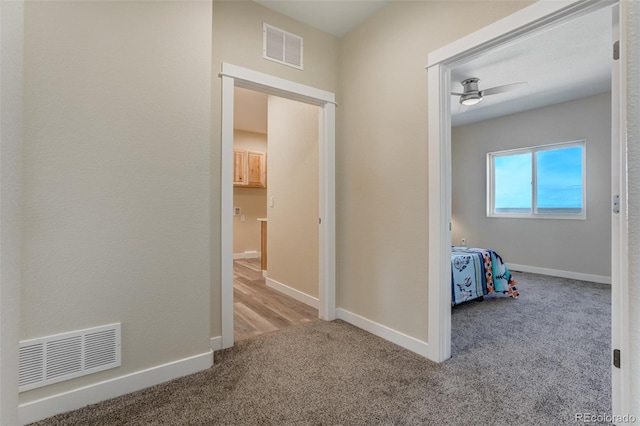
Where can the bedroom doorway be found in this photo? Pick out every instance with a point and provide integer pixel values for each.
(534, 19)
(235, 76)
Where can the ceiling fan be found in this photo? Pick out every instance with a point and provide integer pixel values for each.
(472, 95)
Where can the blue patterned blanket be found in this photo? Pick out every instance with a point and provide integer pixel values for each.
(476, 272)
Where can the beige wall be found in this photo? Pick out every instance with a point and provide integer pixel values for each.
(382, 163)
(116, 177)
(251, 141)
(376, 123)
(292, 179)
(237, 39)
(11, 77)
(582, 246)
(381, 116)
(252, 201)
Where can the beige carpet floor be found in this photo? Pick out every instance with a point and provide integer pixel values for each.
(537, 360)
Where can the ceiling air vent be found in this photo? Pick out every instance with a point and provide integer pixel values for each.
(282, 47)
(52, 359)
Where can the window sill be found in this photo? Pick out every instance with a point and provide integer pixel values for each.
(537, 216)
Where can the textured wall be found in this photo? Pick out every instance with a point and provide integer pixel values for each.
(11, 51)
(293, 170)
(237, 39)
(116, 177)
(382, 162)
(582, 246)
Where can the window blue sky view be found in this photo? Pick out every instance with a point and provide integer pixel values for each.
(558, 174)
(513, 174)
(560, 178)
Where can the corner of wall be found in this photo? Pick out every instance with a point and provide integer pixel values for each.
(11, 120)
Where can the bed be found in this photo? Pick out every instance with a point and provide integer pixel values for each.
(476, 272)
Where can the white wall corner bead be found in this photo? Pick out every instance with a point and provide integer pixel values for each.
(282, 46)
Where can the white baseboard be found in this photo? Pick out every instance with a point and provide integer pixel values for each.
(216, 343)
(559, 273)
(400, 339)
(296, 294)
(247, 255)
(77, 398)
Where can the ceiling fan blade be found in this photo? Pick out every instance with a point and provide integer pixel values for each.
(457, 94)
(505, 88)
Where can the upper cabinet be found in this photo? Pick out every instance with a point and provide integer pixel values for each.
(257, 164)
(249, 168)
(239, 167)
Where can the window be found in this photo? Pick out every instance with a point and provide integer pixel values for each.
(541, 182)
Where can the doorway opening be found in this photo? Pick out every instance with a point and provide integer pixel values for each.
(532, 20)
(237, 77)
(275, 213)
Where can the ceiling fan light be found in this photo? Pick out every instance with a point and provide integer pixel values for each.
(469, 100)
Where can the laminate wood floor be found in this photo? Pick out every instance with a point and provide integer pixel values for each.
(258, 309)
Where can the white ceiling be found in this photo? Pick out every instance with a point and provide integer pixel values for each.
(568, 62)
(331, 16)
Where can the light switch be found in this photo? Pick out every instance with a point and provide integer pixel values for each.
(270, 201)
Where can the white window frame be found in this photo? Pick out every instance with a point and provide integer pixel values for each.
(535, 214)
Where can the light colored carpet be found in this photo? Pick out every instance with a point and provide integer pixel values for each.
(536, 360)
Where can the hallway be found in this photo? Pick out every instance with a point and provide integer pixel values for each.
(259, 309)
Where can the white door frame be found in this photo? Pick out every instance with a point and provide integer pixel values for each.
(620, 334)
(524, 23)
(235, 76)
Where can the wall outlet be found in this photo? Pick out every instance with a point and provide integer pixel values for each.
(242, 218)
(463, 242)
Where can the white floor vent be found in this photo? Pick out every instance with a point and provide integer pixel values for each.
(282, 47)
(52, 359)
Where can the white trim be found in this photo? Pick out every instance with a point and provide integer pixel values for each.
(271, 85)
(513, 28)
(439, 328)
(384, 332)
(560, 273)
(83, 396)
(216, 343)
(247, 255)
(327, 214)
(621, 378)
(292, 292)
(233, 76)
(526, 23)
(226, 214)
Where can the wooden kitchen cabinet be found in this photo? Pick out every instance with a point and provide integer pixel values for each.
(249, 168)
(257, 165)
(239, 167)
